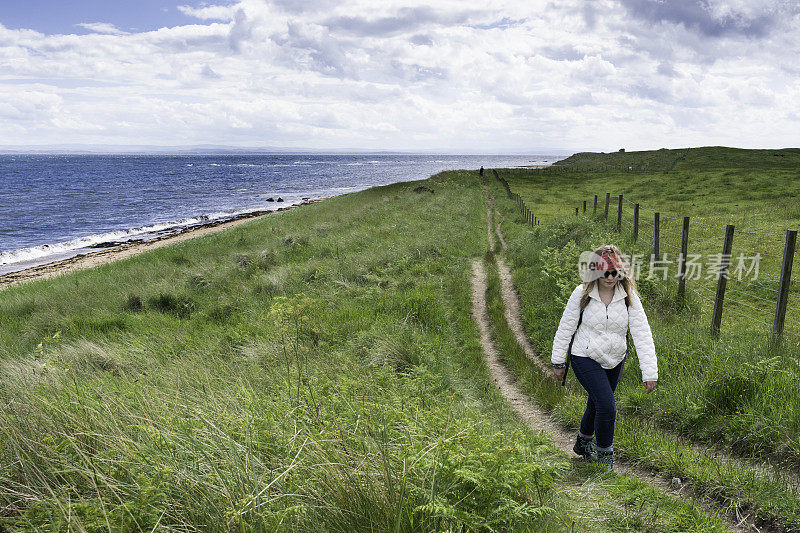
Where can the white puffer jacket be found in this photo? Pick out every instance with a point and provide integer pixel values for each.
(603, 331)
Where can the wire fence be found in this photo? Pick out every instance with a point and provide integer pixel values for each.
(747, 298)
(770, 254)
(753, 299)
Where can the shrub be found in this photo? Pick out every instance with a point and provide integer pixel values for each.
(179, 259)
(292, 241)
(400, 351)
(492, 483)
(169, 303)
(133, 303)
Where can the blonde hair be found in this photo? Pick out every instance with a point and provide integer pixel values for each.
(628, 283)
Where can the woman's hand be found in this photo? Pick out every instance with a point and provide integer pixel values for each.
(559, 373)
(649, 386)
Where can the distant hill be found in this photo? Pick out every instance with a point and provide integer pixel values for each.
(685, 158)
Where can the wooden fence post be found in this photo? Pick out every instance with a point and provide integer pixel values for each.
(682, 260)
(584, 207)
(619, 214)
(576, 211)
(608, 199)
(656, 237)
(722, 280)
(594, 209)
(635, 222)
(783, 287)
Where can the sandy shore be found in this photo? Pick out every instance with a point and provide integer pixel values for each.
(107, 255)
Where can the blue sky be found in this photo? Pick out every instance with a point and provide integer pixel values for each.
(455, 75)
(54, 16)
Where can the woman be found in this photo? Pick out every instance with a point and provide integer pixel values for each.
(599, 313)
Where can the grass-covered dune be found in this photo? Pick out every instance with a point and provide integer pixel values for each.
(312, 370)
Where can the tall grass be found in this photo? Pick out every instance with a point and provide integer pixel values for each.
(315, 369)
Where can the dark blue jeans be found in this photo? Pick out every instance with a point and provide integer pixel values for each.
(601, 408)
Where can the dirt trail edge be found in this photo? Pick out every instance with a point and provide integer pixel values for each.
(489, 219)
(514, 314)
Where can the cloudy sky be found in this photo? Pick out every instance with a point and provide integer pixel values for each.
(470, 76)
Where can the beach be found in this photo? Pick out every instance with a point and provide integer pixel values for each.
(55, 207)
(108, 255)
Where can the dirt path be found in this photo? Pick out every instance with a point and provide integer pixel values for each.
(536, 418)
(513, 315)
(500, 218)
(533, 417)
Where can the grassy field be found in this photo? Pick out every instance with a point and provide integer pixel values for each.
(737, 393)
(312, 370)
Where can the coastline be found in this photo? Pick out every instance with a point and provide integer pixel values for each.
(122, 251)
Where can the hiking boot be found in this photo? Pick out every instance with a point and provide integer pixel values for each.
(606, 458)
(585, 447)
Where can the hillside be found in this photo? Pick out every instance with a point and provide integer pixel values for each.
(316, 369)
(708, 157)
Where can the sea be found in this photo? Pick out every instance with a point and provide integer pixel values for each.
(57, 206)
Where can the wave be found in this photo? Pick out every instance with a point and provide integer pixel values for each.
(39, 254)
(234, 165)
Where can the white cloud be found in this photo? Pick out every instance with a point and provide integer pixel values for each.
(486, 75)
(224, 13)
(102, 27)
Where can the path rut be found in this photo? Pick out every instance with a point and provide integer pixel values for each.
(533, 417)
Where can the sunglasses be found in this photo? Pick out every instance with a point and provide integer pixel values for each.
(610, 273)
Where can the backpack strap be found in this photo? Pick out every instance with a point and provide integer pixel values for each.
(569, 349)
(627, 330)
